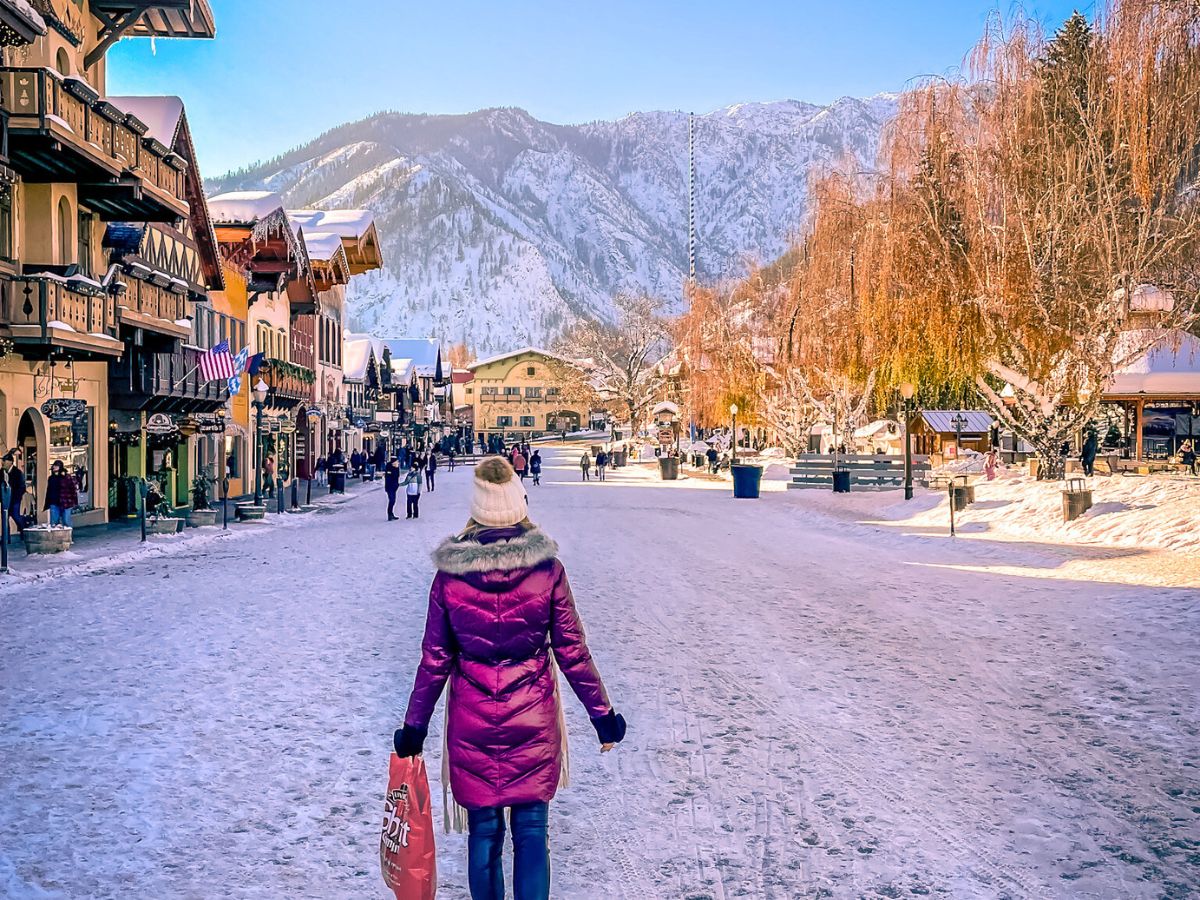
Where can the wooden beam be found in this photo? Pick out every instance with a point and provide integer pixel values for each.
(113, 30)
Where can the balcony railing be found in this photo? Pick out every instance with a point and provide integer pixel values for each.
(289, 383)
(165, 382)
(152, 300)
(65, 312)
(62, 130)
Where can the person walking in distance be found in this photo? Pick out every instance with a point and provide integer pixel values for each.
(520, 462)
(501, 623)
(601, 463)
(391, 485)
(1087, 456)
(62, 495)
(269, 475)
(321, 468)
(585, 465)
(412, 491)
(535, 466)
(16, 485)
(431, 468)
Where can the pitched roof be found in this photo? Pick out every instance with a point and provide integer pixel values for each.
(347, 223)
(161, 115)
(1170, 368)
(356, 354)
(425, 353)
(243, 207)
(942, 420)
(514, 353)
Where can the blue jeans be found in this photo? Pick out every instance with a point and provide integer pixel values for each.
(60, 515)
(531, 852)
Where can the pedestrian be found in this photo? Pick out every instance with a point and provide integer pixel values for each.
(989, 464)
(16, 485)
(380, 457)
(450, 459)
(62, 495)
(601, 462)
(519, 463)
(269, 474)
(321, 468)
(585, 464)
(430, 468)
(412, 491)
(535, 466)
(501, 623)
(1187, 454)
(1087, 456)
(391, 484)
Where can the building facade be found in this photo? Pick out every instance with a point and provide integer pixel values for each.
(517, 396)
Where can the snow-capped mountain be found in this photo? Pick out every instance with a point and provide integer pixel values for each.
(499, 229)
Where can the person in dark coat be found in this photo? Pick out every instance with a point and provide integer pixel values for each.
(431, 465)
(535, 466)
(380, 459)
(1087, 456)
(391, 485)
(601, 463)
(321, 468)
(1187, 455)
(712, 457)
(16, 484)
(62, 494)
(501, 623)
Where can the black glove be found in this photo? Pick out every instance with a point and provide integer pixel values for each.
(409, 740)
(610, 727)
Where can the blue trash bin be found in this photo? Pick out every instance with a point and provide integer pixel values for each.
(746, 481)
(841, 481)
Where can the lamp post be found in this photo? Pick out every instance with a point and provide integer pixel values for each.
(260, 403)
(733, 409)
(907, 390)
(1009, 398)
(959, 422)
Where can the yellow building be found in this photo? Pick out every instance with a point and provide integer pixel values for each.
(75, 162)
(517, 395)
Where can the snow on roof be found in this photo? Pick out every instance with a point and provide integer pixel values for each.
(942, 420)
(322, 245)
(1170, 368)
(244, 206)
(25, 10)
(402, 370)
(423, 352)
(356, 354)
(514, 353)
(347, 223)
(161, 115)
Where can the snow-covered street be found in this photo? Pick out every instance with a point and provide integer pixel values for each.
(818, 707)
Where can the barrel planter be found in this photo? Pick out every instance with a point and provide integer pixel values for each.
(164, 525)
(201, 518)
(668, 467)
(44, 539)
(746, 481)
(620, 458)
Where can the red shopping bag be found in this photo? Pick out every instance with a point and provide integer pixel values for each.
(407, 855)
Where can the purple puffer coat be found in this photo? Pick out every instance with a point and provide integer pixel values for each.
(499, 605)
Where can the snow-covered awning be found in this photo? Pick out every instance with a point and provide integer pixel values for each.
(1170, 369)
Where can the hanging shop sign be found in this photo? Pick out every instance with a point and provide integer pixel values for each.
(273, 426)
(666, 436)
(160, 423)
(314, 413)
(210, 424)
(63, 409)
(287, 426)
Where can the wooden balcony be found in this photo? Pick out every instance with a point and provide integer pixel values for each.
(60, 129)
(45, 313)
(165, 382)
(289, 383)
(158, 309)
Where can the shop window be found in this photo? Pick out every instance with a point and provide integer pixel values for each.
(526, 421)
(71, 442)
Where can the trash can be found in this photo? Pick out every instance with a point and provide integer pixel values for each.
(746, 481)
(620, 458)
(668, 466)
(841, 481)
(959, 496)
(1077, 499)
(337, 479)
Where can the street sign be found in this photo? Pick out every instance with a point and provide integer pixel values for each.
(666, 436)
(63, 409)
(160, 423)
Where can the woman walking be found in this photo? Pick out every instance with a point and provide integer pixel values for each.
(62, 496)
(431, 468)
(535, 466)
(519, 463)
(501, 617)
(585, 465)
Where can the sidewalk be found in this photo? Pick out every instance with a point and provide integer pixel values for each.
(118, 542)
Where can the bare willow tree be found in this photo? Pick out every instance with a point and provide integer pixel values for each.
(615, 365)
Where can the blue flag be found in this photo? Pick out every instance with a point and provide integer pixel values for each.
(255, 363)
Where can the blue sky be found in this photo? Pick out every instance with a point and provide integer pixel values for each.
(282, 71)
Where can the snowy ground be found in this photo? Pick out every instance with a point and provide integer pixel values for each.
(827, 697)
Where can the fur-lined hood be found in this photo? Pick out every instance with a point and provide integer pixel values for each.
(459, 556)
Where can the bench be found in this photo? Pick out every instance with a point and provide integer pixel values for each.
(815, 470)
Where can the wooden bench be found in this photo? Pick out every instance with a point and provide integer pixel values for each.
(876, 473)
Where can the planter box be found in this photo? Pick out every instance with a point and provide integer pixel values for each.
(201, 518)
(164, 525)
(47, 540)
(248, 512)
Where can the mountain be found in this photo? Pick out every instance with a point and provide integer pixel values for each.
(500, 230)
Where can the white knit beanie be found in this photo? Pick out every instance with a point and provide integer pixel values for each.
(499, 497)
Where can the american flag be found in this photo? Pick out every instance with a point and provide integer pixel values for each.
(217, 363)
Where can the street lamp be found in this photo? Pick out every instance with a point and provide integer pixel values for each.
(733, 413)
(959, 422)
(907, 391)
(260, 402)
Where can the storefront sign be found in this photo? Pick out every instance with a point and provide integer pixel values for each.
(314, 413)
(63, 409)
(287, 426)
(160, 423)
(666, 436)
(273, 426)
(216, 427)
